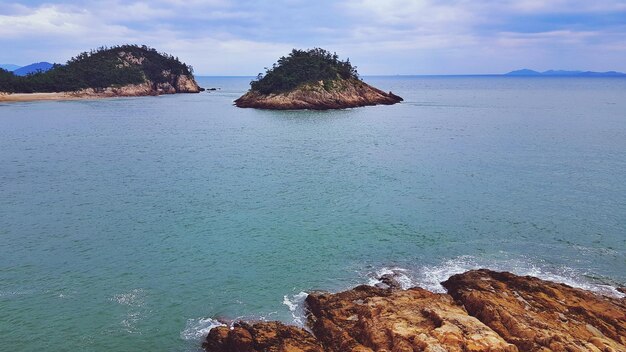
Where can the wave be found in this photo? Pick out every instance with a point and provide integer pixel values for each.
(296, 307)
(199, 328)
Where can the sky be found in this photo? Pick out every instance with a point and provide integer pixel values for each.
(381, 37)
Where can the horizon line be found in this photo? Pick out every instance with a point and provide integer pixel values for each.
(439, 75)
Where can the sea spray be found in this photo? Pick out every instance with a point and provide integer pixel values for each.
(199, 328)
(296, 307)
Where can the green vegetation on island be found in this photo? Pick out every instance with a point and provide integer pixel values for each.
(303, 66)
(105, 67)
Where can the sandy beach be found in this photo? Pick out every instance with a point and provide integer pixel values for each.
(22, 97)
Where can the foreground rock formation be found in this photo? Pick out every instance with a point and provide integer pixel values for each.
(374, 319)
(484, 311)
(538, 315)
(336, 94)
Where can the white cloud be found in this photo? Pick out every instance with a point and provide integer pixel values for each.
(392, 36)
(50, 20)
(565, 6)
(420, 14)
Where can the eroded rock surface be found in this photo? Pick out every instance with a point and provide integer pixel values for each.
(374, 319)
(338, 94)
(176, 84)
(538, 315)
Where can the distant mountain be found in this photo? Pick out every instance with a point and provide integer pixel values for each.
(9, 67)
(583, 73)
(39, 66)
(524, 72)
(561, 73)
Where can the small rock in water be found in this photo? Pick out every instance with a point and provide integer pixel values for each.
(389, 281)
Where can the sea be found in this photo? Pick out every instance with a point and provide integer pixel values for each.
(137, 224)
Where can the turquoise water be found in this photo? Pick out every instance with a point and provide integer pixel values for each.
(132, 224)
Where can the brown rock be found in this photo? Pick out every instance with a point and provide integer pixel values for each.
(389, 281)
(339, 94)
(186, 84)
(264, 336)
(538, 315)
(175, 84)
(130, 90)
(375, 319)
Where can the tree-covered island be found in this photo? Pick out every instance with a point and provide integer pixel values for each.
(126, 70)
(312, 79)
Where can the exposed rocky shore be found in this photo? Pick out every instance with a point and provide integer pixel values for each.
(483, 311)
(173, 84)
(336, 94)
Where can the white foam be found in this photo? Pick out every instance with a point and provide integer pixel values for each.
(296, 307)
(430, 277)
(130, 322)
(199, 328)
(133, 298)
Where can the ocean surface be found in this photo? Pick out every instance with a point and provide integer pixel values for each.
(134, 224)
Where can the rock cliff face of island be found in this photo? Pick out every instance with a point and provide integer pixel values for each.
(483, 311)
(336, 94)
(312, 79)
(127, 70)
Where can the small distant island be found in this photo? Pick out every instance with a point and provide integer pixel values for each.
(126, 70)
(561, 73)
(312, 79)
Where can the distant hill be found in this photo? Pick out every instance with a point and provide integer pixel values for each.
(126, 70)
(561, 73)
(9, 67)
(32, 68)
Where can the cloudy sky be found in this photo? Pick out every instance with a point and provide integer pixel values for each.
(223, 37)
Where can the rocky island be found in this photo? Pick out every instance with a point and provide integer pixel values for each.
(482, 311)
(121, 71)
(312, 79)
